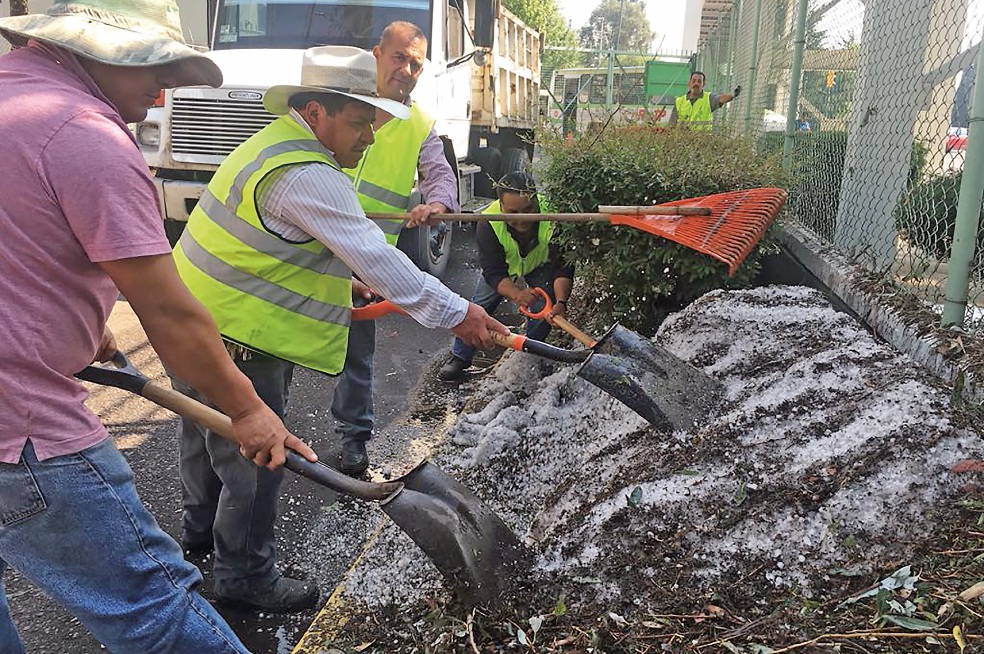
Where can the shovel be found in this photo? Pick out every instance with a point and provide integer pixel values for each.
(659, 386)
(470, 545)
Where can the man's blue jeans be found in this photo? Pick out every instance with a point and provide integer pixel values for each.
(75, 527)
(489, 299)
(351, 404)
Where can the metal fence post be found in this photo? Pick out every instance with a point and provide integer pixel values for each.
(752, 66)
(794, 85)
(732, 30)
(968, 208)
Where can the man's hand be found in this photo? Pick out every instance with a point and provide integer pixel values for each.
(362, 294)
(263, 438)
(475, 328)
(559, 310)
(107, 346)
(525, 298)
(426, 214)
(737, 91)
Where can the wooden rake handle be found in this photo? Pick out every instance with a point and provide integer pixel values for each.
(604, 214)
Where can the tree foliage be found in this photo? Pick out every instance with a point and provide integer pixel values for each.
(545, 17)
(618, 25)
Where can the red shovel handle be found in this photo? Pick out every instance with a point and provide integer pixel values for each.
(547, 305)
(375, 310)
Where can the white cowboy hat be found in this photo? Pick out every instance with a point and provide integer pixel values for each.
(117, 32)
(339, 69)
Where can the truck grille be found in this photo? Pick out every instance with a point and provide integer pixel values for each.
(206, 130)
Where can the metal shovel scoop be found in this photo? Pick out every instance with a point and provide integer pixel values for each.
(653, 382)
(471, 546)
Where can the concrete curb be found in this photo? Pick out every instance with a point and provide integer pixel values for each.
(837, 274)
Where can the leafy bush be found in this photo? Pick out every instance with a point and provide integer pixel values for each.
(631, 276)
(927, 215)
(815, 195)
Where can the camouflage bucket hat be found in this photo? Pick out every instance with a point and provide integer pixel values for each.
(117, 32)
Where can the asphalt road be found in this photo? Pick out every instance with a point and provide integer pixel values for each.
(406, 358)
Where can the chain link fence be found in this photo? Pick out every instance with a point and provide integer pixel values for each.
(882, 95)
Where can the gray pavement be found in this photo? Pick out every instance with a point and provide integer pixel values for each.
(406, 358)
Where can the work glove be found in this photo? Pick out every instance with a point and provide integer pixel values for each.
(737, 91)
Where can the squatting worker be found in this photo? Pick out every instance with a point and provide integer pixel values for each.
(270, 250)
(384, 180)
(80, 222)
(694, 108)
(515, 256)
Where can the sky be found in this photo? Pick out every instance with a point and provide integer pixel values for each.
(665, 18)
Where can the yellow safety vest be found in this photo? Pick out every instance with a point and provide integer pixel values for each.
(698, 114)
(291, 300)
(385, 175)
(519, 265)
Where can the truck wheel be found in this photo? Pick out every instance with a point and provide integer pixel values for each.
(429, 247)
(490, 161)
(514, 159)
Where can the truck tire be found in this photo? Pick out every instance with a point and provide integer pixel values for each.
(428, 246)
(515, 159)
(490, 161)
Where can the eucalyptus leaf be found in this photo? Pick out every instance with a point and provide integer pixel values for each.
(635, 497)
(535, 623)
(521, 636)
(912, 624)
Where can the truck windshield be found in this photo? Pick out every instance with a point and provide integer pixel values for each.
(301, 25)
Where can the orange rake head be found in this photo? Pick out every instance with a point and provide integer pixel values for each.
(736, 223)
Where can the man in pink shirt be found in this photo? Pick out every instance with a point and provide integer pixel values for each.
(80, 222)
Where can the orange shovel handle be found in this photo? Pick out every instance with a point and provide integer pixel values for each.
(375, 310)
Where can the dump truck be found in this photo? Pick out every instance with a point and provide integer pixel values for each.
(481, 82)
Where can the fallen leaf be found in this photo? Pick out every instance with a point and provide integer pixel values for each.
(973, 592)
(958, 636)
(712, 610)
(968, 465)
(364, 646)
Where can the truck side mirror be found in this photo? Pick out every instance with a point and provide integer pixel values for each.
(485, 13)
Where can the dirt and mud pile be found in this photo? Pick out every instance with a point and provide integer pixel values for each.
(830, 455)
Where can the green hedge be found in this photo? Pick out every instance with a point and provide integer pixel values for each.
(927, 215)
(632, 276)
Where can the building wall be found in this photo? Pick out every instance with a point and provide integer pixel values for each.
(691, 25)
(194, 19)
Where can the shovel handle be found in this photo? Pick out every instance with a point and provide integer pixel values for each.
(375, 310)
(539, 348)
(559, 321)
(181, 404)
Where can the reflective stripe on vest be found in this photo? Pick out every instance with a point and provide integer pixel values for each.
(519, 265)
(384, 178)
(697, 114)
(289, 300)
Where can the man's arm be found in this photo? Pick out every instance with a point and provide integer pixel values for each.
(185, 337)
(438, 184)
(321, 201)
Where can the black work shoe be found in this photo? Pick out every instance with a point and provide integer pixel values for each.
(355, 459)
(282, 595)
(196, 548)
(453, 369)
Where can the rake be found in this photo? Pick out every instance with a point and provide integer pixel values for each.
(725, 226)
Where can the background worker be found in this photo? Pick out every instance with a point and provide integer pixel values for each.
(695, 107)
(81, 224)
(270, 250)
(513, 249)
(384, 180)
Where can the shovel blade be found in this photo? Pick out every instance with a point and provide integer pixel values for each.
(659, 386)
(471, 546)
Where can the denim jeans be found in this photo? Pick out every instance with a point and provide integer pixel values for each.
(351, 404)
(489, 299)
(227, 498)
(75, 527)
